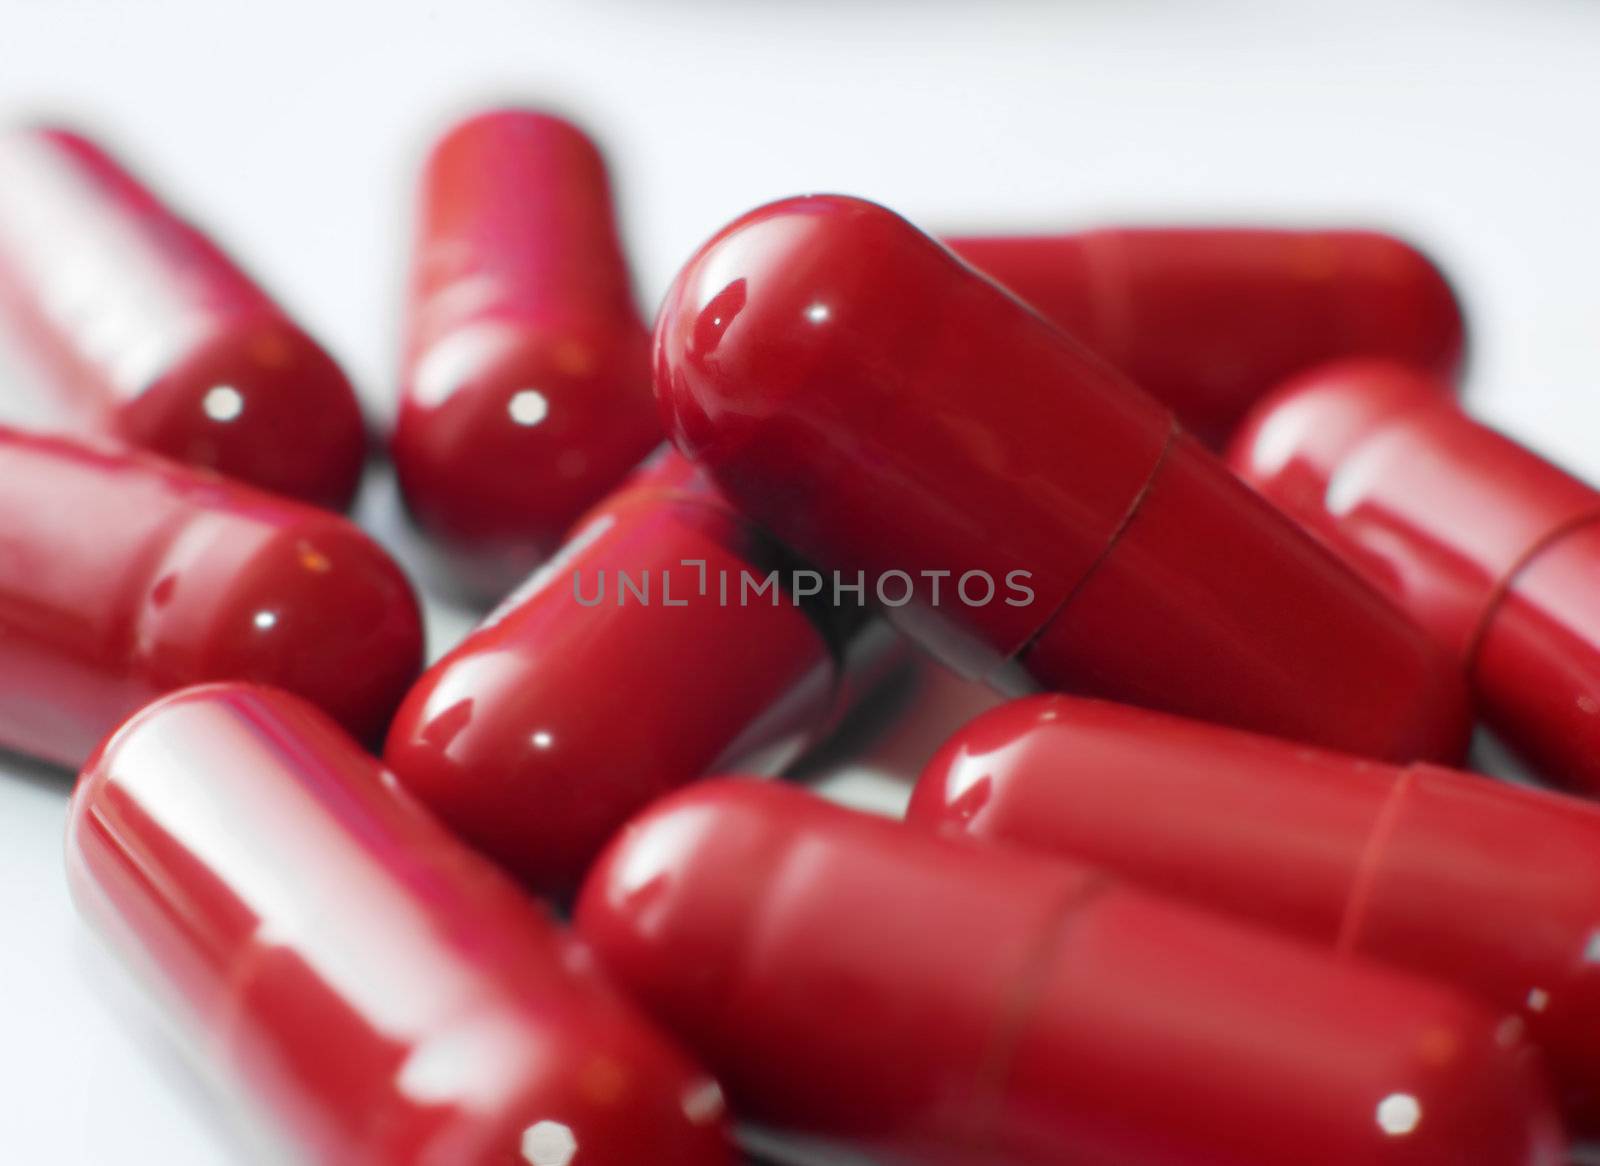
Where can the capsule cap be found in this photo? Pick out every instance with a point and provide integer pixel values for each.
(822, 359)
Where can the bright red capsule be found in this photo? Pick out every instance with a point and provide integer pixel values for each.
(637, 659)
(1208, 320)
(1493, 887)
(936, 1002)
(123, 576)
(381, 995)
(1489, 547)
(884, 409)
(156, 337)
(525, 390)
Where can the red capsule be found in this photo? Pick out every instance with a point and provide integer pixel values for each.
(1489, 547)
(1493, 887)
(153, 335)
(526, 382)
(1209, 320)
(123, 577)
(943, 1003)
(380, 994)
(640, 657)
(883, 408)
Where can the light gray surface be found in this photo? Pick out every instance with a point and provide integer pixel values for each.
(293, 130)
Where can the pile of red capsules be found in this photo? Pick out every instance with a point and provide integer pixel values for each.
(1208, 896)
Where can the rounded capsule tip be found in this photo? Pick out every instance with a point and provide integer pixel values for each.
(263, 404)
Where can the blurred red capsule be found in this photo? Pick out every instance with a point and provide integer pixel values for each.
(936, 1002)
(639, 658)
(1493, 887)
(882, 408)
(123, 576)
(374, 991)
(1488, 546)
(525, 391)
(153, 335)
(1208, 320)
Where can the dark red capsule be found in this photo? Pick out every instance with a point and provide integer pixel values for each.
(640, 657)
(935, 1002)
(1489, 547)
(525, 391)
(153, 335)
(884, 409)
(123, 576)
(1493, 887)
(1209, 320)
(376, 993)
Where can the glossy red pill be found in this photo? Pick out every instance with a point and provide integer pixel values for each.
(377, 993)
(938, 1002)
(1208, 320)
(1493, 887)
(525, 391)
(153, 335)
(884, 409)
(637, 659)
(1490, 548)
(123, 576)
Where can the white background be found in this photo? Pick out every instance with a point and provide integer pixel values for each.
(293, 130)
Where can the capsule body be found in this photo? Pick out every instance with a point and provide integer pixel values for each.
(153, 335)
(384, 996)
(1208, 320)
(1487, 545)
(525, 392)
(884, 409)
(943, 1003)
(637, 659)
(123, 576)
(1493, 887)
